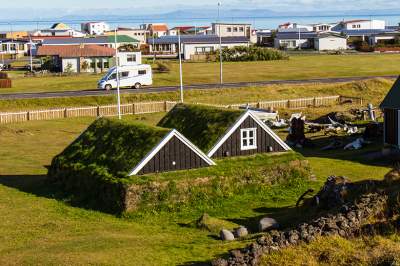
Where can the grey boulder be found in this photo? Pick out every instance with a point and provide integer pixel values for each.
(267, 223)
(241, 232)
(226, 235)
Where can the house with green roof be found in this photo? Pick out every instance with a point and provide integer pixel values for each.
(391, 110)
(118, 149)
(223, 132)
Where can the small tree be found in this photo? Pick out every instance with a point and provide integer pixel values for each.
(85, 66)
(68, 68)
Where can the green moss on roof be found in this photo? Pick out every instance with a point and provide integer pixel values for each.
(114, 145)
(122, 39)
(202, 125)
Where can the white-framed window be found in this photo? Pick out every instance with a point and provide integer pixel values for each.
(248, 139)
(131, 58)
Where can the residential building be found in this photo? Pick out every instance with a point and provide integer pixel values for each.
(265, 38)
(157, 29)
(320, 41)
(360, 24)
(322, 27)
(59, 29)
(384, 37)
(190, 30)
(86, 58)
(13, 47)
(192, 45)
(231, 29)
(135, 33)
(13, 34)
(108, 41)
(95, 28)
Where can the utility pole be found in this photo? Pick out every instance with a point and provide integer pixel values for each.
(299, 40)
(221, 80)
(30, 53)
(117, 74)
(180, 64)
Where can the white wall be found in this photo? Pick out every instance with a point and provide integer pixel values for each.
(366, 25)
(123, 58)
(74, 64)
(190, 49)
(229, 30)
(330, 43)
(278, 43)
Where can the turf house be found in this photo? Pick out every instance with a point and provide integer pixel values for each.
(222, 132)
(122, 148)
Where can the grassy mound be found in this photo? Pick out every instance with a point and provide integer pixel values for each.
(93, 166)
(200, 124)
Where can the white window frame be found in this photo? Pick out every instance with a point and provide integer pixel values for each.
(248, 138)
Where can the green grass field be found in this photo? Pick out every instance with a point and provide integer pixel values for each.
(298, 67)
(39, 226)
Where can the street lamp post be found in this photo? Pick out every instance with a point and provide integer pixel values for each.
(30, 53)
(220, 47)
(117, 74)
(180, 64)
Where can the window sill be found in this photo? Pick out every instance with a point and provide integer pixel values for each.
(248, 148)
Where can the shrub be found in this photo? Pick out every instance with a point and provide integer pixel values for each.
(251, 53)
(163, 67)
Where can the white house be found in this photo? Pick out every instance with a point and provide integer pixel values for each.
(95, 28)
(361, 24)
(135, 33)
(323, 41)
(193, 44)
(16, 48)
(59, 29)
(158, 29)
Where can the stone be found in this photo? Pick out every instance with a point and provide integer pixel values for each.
(226, 235)
(219, 262)
(240, 232)
(267, 223)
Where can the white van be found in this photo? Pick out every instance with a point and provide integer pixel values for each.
(129, 76)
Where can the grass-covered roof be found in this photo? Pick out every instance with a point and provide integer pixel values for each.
(202, 125)
(115, 146)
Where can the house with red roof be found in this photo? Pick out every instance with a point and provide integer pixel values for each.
(85, 58)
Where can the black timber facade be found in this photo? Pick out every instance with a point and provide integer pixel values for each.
(391, 126)
(264, 141)
(174, 155)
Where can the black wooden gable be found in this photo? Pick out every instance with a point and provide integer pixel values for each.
(175, 152)
(264, 139)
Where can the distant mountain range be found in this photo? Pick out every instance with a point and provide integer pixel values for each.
(31, 14)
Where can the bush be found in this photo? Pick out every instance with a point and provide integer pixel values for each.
(163, 67)
(251, 53)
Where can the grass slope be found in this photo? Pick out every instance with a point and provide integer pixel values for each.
(372, 90)
(37, 227)
(298, 67)
(200, 124)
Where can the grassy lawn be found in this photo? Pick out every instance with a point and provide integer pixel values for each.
(38, 226)
(298, 67)
(372, 91)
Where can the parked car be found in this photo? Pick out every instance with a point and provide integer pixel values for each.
(36, 65)
(129, 76)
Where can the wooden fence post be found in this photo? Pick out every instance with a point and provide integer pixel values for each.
(315, 101)
(98, 110)
(65, 113)
(288, 104)
(28, 116)
(133, 109)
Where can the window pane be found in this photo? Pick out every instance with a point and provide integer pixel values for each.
(251, 142)
(251, 133)
(244, 134)
(244, 142)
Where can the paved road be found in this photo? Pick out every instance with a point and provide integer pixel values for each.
(186, 87)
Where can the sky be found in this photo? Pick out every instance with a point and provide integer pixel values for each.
(158, 6)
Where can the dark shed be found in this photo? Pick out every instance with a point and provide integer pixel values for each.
(391, 109)
(223, 133)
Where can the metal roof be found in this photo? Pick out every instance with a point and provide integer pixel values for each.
(91, 40)
(307, 35)
(196, 39)
(392, 99)
(368, 32)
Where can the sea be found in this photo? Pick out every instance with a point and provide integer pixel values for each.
(257, 22)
